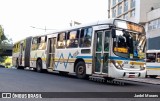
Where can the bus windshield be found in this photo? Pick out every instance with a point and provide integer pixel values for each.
(129, 44)
(151, 57)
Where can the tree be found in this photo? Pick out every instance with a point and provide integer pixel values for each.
(3, 41)
(2, 38)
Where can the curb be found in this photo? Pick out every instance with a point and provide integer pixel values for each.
(155, 81)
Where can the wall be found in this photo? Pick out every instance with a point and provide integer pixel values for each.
(153, 35)
(145, 7)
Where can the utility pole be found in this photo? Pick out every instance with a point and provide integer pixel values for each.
(109, 1)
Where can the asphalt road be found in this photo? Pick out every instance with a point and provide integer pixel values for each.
(13, 80)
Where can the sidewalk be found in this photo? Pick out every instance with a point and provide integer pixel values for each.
(145, 80)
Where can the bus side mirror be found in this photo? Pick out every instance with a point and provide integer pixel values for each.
(113, 33)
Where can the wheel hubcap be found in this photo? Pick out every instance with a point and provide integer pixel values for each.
(80, 70)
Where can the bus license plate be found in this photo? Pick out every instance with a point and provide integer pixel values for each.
(131, 76)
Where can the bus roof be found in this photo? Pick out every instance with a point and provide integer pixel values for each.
(108, 21)
(21, 40)
(100, 22)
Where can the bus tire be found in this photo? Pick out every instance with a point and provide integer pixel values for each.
(39, 65)
(153, 76)
(21, 67)
(81, 70)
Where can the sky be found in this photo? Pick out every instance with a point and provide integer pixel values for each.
(23, 18)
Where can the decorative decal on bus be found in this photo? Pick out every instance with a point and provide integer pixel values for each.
(62, 60)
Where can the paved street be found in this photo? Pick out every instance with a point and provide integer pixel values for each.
(145, 80)
(13, 80)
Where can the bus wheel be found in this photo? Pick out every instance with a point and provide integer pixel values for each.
(20, 67)
(153, 76)
(39, 65)
(81, 70)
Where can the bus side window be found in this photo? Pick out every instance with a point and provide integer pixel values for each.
(34, 43)
(42, 43)
(14, 48)
(24, 45)
(151, 57)
(61, 40)
(72, 39)
(106, 41)
(85, 37)
(158, 57)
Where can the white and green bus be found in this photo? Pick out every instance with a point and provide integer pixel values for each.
(153, 63)
(113, 48)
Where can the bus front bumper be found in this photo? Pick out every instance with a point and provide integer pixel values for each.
(117, 73)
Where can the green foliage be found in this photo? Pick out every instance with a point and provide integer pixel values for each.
(3, 42)
(1, 33)
(3, 58)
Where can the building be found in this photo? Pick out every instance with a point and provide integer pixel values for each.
(133, 10)
(145, 12)
(153, 29)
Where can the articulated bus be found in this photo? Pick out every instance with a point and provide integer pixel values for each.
(21, 53)
(113, 48)
(38, 53)
(153, 63)
(28, 52)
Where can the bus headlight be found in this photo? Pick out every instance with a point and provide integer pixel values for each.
(143, 67)
(117, 65)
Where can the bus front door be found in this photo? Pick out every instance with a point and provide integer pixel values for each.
(51, 52)
(102, 39)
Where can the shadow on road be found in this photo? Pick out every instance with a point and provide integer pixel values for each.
(114, 82)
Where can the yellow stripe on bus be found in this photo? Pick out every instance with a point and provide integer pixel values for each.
(65, 60)
(153, 68)
(88, 61)
(136, 63)
(72, 60)
(119, 62)
(35, 59)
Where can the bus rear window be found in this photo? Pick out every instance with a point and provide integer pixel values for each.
(151, 57)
